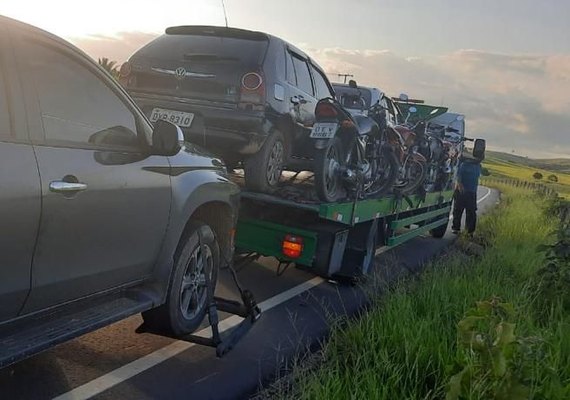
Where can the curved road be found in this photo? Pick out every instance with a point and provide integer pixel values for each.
(115, 362)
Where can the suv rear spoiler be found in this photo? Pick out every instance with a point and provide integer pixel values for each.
(218, 31)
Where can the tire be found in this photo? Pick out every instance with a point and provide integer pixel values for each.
(439, 232)
(390, 174)
(263, 169)
(328, 181)
(414, 183)
(174, 317)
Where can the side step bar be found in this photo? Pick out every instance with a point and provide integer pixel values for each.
(33, 336)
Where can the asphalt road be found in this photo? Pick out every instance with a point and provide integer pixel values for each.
(115, 362)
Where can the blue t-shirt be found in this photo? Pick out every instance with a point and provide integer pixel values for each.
(468, 175)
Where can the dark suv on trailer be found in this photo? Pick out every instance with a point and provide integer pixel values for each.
(248, 96)
(101, 214)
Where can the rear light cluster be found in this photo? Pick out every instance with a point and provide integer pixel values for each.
(292, 246)
(126, 77)
(325, 111)
(252, 92)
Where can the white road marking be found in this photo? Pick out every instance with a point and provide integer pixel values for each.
(484, 197)
(142, 364)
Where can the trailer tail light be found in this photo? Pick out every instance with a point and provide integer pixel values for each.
(292, 246)
(252, 92)
(325, 110)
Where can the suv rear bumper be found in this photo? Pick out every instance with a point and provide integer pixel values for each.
(219, 127)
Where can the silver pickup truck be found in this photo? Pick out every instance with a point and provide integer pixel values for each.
(102, 216)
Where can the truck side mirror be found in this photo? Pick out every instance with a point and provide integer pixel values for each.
(167, 138)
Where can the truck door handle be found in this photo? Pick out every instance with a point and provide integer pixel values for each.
(66, 187)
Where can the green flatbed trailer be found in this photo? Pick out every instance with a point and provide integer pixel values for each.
(335, 239)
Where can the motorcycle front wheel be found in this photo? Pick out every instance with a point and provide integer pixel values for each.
(328, 172)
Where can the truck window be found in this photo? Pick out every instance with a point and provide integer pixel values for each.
(303, 75)
(76, 106)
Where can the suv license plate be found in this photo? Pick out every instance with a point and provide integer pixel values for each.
(324, 130)
(182, 119)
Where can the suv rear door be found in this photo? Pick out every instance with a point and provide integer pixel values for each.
(20, 199)
(105, 201)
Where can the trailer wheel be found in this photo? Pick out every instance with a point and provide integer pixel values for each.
(439, 232)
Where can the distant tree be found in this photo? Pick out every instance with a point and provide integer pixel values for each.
(109, 66)
(537, 176)
(485, 171)
(552, 178)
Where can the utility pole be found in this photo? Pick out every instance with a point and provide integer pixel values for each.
(344, 76)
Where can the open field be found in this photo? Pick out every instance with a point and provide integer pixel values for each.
(409, 346)
(502, 165)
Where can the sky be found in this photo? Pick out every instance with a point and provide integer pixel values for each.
(505, 64)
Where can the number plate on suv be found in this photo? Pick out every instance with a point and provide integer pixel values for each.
(182, 119)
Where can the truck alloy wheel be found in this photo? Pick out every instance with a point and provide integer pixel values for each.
(195, 267)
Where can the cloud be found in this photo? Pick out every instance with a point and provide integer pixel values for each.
(118, 47)
(516, 102)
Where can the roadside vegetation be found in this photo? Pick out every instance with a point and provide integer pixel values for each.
(490, 324)
(110, 66)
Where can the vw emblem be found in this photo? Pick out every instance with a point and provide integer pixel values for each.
(180, 73)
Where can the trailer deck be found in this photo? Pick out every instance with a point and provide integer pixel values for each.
(332, 239)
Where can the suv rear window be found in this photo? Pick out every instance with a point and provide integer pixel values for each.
(207, 48)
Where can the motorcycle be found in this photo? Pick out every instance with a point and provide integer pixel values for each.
(352, 155)
(407, 140)
(444, 146)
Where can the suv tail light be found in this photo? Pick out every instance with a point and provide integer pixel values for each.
(292, 246)
(325, 110)
(126, 77)
(252, 92)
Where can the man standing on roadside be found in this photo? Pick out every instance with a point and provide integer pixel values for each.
(465, 196)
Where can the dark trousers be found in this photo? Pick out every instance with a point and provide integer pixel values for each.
(464, 201)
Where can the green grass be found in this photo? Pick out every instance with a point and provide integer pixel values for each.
(405, 347)
(508, 167)
(553, 164)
